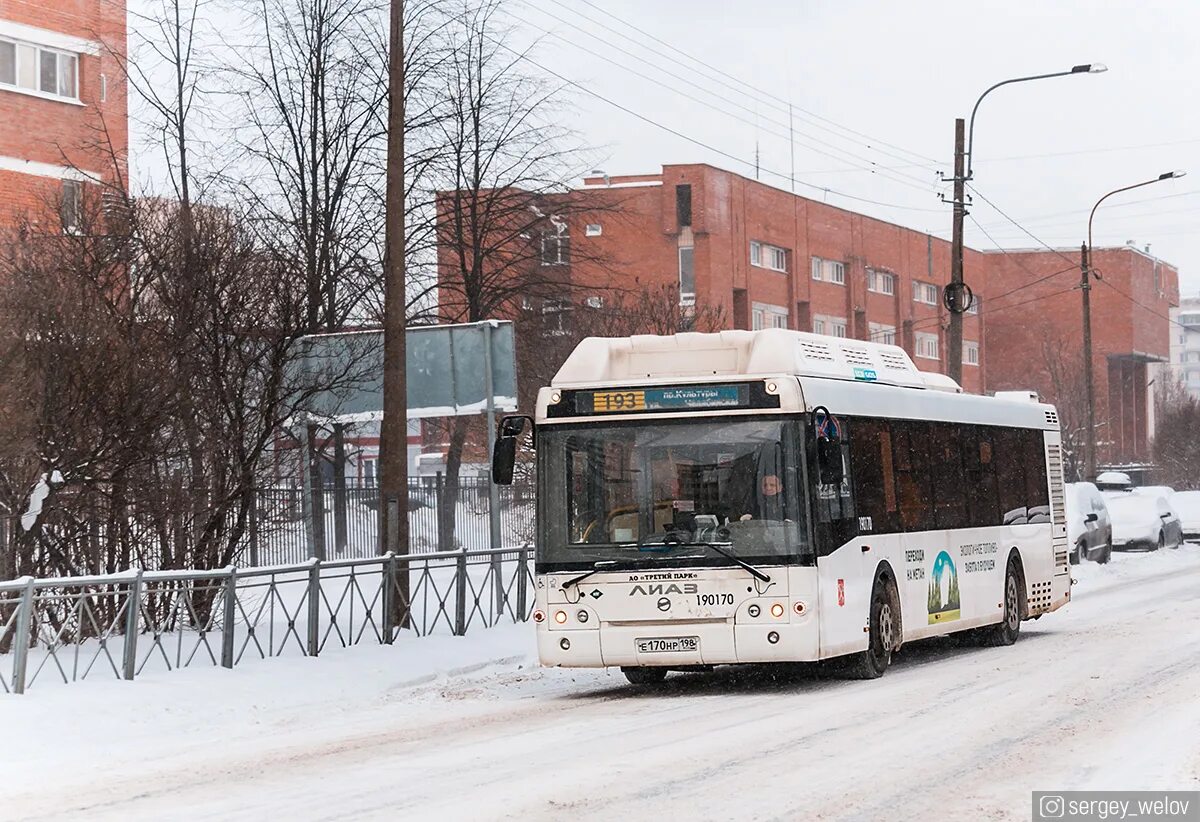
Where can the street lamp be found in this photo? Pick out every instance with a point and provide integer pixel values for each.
(954, 297)
(1085, 286)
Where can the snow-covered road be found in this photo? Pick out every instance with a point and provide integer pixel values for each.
(1105, 695)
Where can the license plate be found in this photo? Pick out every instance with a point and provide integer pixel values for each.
(668, 645)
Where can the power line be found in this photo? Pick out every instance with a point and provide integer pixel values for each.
(700, 143)
(746, 85)
(844, 156)
(1125, 204)
(1004, 214)
(930, 322)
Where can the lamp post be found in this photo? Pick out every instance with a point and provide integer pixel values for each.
(1085, 274)
(954, 297)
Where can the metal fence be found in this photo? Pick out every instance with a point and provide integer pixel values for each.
(349, 521)
(120, 626)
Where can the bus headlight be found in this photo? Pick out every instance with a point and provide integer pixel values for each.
(777, 610)
(773, 637)
(539, 616)
(582, 616)
(565, 644)
(560, 617)
(753, 610)
(799, 607)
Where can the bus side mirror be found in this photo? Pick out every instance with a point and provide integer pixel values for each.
(829, 461)
(504, 452)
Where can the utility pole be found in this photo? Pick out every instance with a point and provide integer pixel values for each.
(1085, 285)
(393, 435)
(954, 295)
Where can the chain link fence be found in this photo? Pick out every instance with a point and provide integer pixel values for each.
(120, 626)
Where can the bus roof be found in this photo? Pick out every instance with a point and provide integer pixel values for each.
(647, 359)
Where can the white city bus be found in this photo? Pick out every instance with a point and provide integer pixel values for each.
(771, 496)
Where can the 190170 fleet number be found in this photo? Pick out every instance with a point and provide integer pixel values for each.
(714, 599)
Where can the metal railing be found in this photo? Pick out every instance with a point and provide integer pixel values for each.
(123, 625)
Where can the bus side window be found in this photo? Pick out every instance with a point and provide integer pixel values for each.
(874, 476)
(836, 523)
(910, 453)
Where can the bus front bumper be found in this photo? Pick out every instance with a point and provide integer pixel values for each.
(679, 644)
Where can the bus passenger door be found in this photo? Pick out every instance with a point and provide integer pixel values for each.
(844, 596)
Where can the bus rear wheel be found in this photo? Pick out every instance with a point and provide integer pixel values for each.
(1008, 629)
(645, 676)
(881, 640)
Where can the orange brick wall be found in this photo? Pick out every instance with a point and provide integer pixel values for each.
(87, 136)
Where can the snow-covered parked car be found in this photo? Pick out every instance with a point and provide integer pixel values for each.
(1142, 521)
(1089, 529)
(1187, 504)
(1154, 491)
(1113, 481)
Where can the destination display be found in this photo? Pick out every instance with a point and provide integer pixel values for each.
(661, 399)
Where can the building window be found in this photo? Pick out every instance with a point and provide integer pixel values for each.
(554, 316)
(833, 326)
(594, 302)
(927, 346)
(881, 282)
(29, 67)
(687, 277)
(556, 246)
(974, 308)
(103, 88)
(683, 205)
(768, 256)
(764, 315)
(880, 333)
(970, 353)
(830, 271)
(593, 230)
(776, 258)
(71, 211)
(925, 293)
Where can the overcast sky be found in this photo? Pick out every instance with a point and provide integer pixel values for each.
(900, 72)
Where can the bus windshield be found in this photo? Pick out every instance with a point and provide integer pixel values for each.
(658, 492)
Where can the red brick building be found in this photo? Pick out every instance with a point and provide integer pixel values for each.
(1034, 326)
(63, 104)
(773, 259)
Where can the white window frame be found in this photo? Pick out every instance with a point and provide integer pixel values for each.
(767, 315)
(926, 346)
(593, 230)
(832, 326)
(777, 258)
(882, 333)
(925, 293)
(35, 88)
(594, 302)
(686, 297)
(881, 282)
(558, 240)
(755, 253)
(816, 268)
(71, 211)
(835, 271)
(970, 353)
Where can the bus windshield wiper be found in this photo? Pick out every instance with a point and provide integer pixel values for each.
(603, 565)
(671, 539)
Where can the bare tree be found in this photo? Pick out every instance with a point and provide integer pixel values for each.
(1062, 359)
(1176, 446)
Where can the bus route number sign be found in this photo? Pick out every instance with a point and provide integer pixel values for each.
(605, 401)
(682, 398)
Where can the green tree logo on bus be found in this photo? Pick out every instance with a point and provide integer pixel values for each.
(943, 590)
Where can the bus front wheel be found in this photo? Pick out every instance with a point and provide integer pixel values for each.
(871, 663)
(645, 676)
